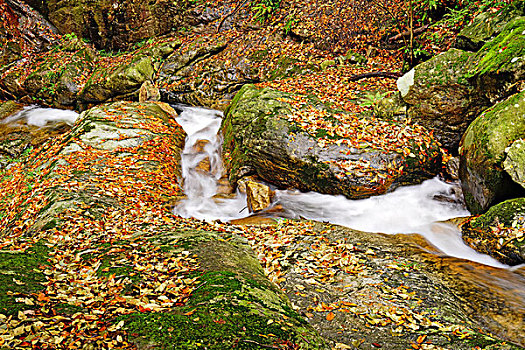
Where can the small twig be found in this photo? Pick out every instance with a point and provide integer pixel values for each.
(374, 74)
(240, 211)
(200, 285)
(239, 5)
(407, 33)
(261, 345)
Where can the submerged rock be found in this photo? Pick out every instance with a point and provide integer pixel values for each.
(261, 137)
(485, 147)
(500, 232)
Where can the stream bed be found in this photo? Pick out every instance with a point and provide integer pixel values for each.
(409, 209)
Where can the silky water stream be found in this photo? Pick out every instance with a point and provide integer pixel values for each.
(410, 209)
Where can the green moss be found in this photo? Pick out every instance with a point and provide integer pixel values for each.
(21, 274)
(499, 53)
(503, 213)
(217, 316)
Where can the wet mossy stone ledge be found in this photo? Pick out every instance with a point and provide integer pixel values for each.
(447, 92)
(500, 232)
(91, 255)
(357, 156)
(490, 155)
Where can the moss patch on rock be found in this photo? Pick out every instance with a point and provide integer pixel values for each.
(500, 232)
(482, 154)
(21, 273)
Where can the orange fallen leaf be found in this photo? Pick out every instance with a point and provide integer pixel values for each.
(330, 316)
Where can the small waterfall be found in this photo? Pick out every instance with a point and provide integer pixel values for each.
(409, 209)
(202, 168)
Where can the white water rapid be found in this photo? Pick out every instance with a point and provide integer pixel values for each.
(37, 116)
(410, 209)
(200, 187)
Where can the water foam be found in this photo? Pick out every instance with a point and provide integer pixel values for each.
(201, 187)
(37, 116)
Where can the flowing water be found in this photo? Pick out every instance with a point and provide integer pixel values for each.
(200, 186)
(410, 209)
(37, 116)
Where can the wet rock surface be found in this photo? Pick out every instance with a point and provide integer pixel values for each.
(259, 139)
(500, 232)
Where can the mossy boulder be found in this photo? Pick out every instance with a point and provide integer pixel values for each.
(486, 26)
(447, 92)
(54, 81)
(498, 67)
(261, 137)
(484, 149)
(500, 232)
(236, 306)
(123, 81)
(74, 75)
(440, 97)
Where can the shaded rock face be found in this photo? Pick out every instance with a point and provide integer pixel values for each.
(22, 31)
(259, 139)
(485, 149)
(447, 92)
(114, 25)
(500, 232)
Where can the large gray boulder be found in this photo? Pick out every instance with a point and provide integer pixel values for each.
(490, 155)
(329, 152)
